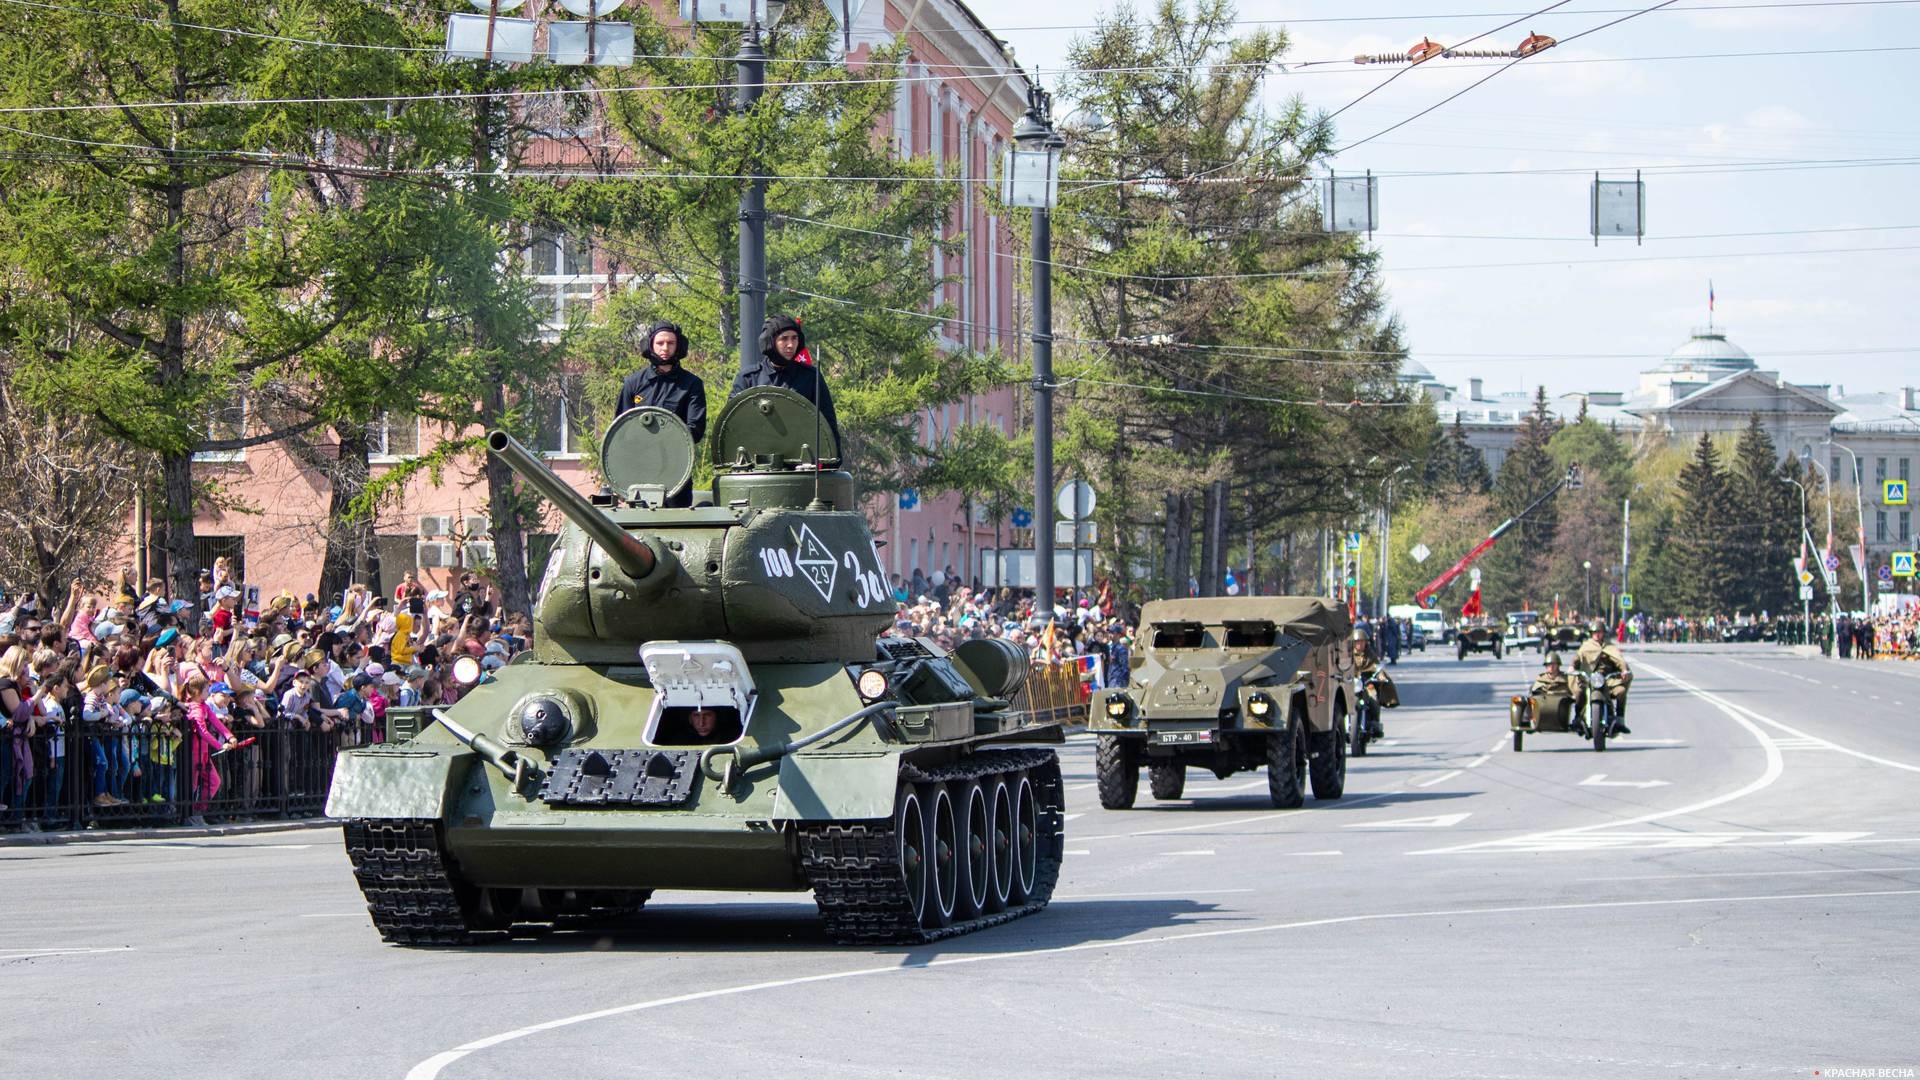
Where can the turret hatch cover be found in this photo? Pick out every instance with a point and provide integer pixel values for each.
(647, 447)
(771, 422)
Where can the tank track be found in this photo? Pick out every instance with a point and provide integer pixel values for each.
(414, 896)
(856, 879)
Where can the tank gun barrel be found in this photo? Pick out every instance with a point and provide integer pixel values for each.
(626, 550)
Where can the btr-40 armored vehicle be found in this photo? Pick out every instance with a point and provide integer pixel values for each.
(1230, 684)
(707, 705)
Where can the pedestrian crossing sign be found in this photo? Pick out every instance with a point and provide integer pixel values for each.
(1894, 492)
(1353, 541)
(1626, 601)
(1903, 564)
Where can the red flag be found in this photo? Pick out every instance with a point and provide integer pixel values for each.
(803, 355)
(1473, 609)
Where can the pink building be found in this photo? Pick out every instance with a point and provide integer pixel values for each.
(958, 103)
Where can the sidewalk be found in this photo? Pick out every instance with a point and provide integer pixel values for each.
(162, 832)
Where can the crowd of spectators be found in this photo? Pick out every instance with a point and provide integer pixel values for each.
(1882, 635)
(128, 702)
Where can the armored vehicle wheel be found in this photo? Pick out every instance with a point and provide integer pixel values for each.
(1518, 738)
(1117, 771)
(1168, 781)
(943, 856)
(974, 824)
(1287, 765)
(904, 880)
(1328, 765)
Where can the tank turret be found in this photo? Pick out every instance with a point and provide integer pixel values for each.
(774, 558)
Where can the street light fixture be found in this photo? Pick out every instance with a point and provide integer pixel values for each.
(1031, 178)
(1806, 591)
(1860, 512)
(1588, 594)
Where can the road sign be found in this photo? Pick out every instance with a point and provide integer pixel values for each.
(1903, 564)
(1626, 601)
(1065, 532)
(1806, 592)
(1831, 562)
(1075, 500)
(909, 498)
(1894, 492)
(1420, 552)
(1885, 573)
(1353, 541)
(1806, 577)
(1022, 517)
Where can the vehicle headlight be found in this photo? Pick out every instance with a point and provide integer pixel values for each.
(1259, 705)
(466, 671)
(872, 685)
(1117, 707)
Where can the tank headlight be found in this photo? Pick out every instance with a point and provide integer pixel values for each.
(1259, 705)
(1117, 707)
(543, 722)
(872, 685)
(466, 671)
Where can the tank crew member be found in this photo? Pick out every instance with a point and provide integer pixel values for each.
(663, 383)
(1599, 654)
(1552, 694)
(781, 340)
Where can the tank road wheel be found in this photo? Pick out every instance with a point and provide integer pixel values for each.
(910, 830)
(1117, 771)
(1328, 766)
(974, 823)
(1000, 842)
(1286, 766)
(1026, 838)
(1168, 781)
(943, 857)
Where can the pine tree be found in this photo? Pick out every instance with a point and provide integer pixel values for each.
(1765, 522)
(1516, 571)
(1702, 561)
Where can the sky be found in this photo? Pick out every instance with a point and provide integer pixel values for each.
(1829, 292)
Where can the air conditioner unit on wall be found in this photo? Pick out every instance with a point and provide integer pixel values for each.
(436, 525)
(477, 553)
(476, 525)
(434, 555)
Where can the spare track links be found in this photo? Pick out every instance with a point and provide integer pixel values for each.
(416, 897)
(856, 875)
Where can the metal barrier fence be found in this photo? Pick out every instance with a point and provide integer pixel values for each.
(1055, 693)
(154, 777)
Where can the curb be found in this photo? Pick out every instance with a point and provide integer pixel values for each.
(83, 836)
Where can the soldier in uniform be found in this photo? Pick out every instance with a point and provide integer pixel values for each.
(1552, 696)
(1599, 654)
(1375, 680)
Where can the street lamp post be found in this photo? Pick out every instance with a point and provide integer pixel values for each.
(1031, 179)
(1807, 458)
(1587, 564)
(1860, 512)
(1806, 605)
(750, 70)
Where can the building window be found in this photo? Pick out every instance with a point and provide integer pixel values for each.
(913, 556)
(1834, 470)
(224, 423)
(1904, 526)
(394, 435)
(1879, 472)
(563, 424)
(1880, 526)
(1905, 464)
(563, 285)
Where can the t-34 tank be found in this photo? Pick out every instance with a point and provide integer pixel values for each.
(708, 705)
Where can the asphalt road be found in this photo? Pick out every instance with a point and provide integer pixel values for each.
(1734, 890)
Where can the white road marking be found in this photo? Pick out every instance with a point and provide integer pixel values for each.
(1501, 745)
(1180, 893)
(1761, 873)
(1662, 841)
(37, 953)
(1437, 821)
(1824, 743)
(432, 1067)
(202, 844)
(1638, 741)
(1271, 815)
(1083, 787)
(1432, 780)
(1482, 759)
(1076, 851)
(1599, 779)
(1775, 766)
(1070, 817)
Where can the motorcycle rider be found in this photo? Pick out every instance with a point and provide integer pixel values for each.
(1599, 654)
(1374, 680)
(1552, 694)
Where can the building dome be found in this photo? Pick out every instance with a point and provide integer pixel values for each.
(1413, 371)
(1708, 351)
